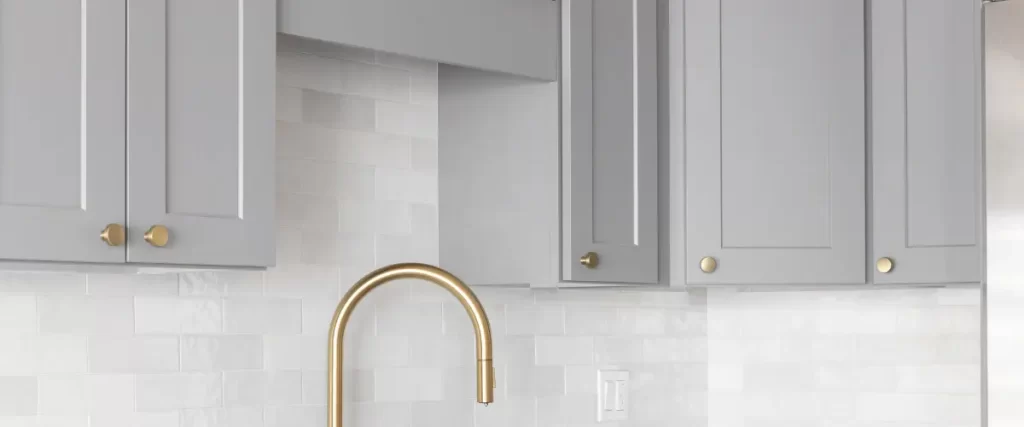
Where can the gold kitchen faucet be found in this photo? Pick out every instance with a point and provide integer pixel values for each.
(335, 352)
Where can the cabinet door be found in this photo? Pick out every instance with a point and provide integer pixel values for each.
(775, 141)
(61, 129)
(201, 130)
(926, 145)
(609, 140)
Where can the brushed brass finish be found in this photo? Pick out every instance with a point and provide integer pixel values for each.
(484, 365)
(113, 234)
(157, 235)
(590, 260)
(708, 264)
(885, 264)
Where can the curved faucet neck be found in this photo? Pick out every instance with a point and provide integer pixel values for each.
(432, 274)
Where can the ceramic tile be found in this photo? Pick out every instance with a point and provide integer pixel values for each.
(221, 353)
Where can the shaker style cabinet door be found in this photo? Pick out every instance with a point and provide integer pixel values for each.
(609, 141)
(61, 129)
(926, 142)
(775, 141)
(201, 132)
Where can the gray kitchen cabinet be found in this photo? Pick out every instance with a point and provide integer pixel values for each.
(517, 37)
(926, 141)
(774, 142)
(200, 131)
(61, 129)
(526, 192)
(609, 141)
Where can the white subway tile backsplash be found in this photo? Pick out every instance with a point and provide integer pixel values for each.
(250, 315)
(565, 350)
(393, 84)
(42, 283)
(61, 354)
(82, 315)
(18, 395)
(19, 358)
(178, 315)
(282, 352)
(392, 249)
(295, 416)
(585, 320)
(339, 111)
(222, 417)
(131, 285)
(534, 319)
(18, 314)
(307, 281)
(423, 155)
(221, 283)
(408, 384)
(618, 350)
(47, 421)
(409, 319)
(221, 353)
(443, 414)
(133, 354)
(535, 381)
(423, 87)
(345, 249)
(151, 419)
(260, 388)
(304, 71)
(415, 120)
(163, 392)
(82, 395)
(289, 105)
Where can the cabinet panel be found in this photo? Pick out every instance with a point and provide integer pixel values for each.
(775, 141)
(518, 37)
(926, 126)
(61, 129)
(609, 143)
(200, 130)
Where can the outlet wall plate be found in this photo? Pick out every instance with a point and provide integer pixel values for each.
(612, 395)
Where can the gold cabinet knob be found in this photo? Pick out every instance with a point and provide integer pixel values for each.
(113, 234)
(884, 264)
(157, 235)
(708, 264)
(589, 260)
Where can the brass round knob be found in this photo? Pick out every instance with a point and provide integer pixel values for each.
(708, 264)
(589, 260)
(157, 235)
(113, 234)
(884, 264)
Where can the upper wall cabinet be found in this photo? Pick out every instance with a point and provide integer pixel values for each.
(609, 141)
(201, 131)
(926, 136)
(525, 198)
(774, 141)
(61, 129)
(138, 132)
(518, 37)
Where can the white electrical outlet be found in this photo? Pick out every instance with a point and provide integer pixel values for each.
(612, 395)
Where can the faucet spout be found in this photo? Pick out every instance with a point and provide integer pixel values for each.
(484, 365)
